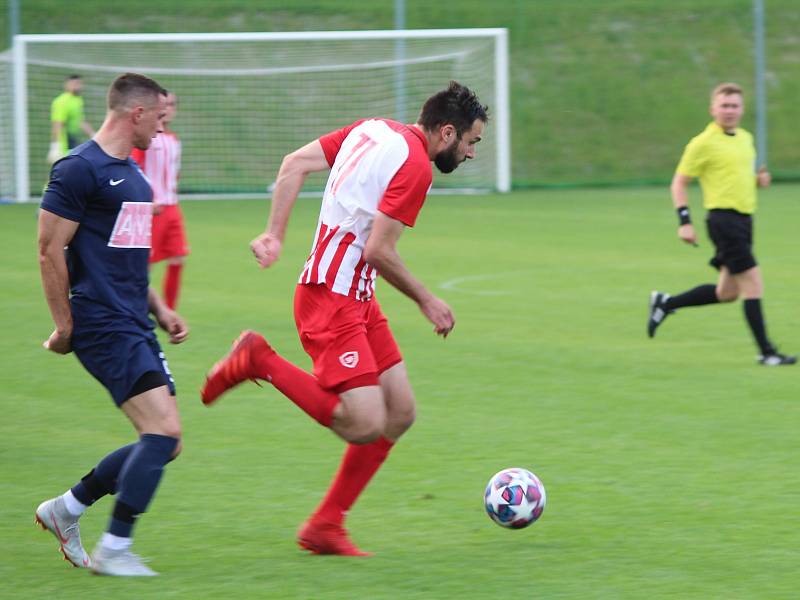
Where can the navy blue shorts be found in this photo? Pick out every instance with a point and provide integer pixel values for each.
(119, 359)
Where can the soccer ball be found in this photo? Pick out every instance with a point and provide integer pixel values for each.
(514, 498)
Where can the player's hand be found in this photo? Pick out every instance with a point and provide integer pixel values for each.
(54, 153)
(687, 234)
(763, 177)
(267, 249)
(438, 313)
(174, 325)
(58, 342)
(158, 208)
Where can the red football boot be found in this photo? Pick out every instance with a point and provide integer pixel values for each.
(319, 537)
(235, 367)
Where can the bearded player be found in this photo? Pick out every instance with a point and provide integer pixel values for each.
(380, 173)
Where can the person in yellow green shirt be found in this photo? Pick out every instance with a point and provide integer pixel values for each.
(66, 116)
(723, 157)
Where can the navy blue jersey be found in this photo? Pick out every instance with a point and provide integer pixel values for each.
(108, 256)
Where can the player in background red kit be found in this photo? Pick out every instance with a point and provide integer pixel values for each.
(161, 164)
(380, 175)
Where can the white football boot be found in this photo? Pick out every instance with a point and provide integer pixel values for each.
(54, 517)
(121, 563)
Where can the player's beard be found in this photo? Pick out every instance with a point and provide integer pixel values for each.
(447, 161)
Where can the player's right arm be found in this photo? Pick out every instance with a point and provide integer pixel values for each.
(295, 167)
(55, 233)
(55, 151)
(55, 130)
(72, 183)
(680, 200)
(692, 164)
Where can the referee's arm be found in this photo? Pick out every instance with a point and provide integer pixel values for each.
(680, 200)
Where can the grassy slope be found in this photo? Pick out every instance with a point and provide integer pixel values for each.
(601, 91)
(666, 461)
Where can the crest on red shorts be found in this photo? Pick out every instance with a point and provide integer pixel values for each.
(349, 359)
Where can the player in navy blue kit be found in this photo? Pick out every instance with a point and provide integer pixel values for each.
(98, 206)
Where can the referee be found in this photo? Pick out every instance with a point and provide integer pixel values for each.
(723, 156)
(66, 116)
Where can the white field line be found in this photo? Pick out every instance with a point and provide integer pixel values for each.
(457, 284)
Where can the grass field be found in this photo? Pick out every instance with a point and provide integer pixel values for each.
(669, 463)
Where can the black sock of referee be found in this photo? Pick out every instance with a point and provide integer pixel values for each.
(702, 294)
(755, 318)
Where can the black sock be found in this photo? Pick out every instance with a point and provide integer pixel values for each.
(755, 318)
(702, 294)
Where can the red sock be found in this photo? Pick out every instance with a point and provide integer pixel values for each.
(172, 284)
(359, 465)
(300, 387)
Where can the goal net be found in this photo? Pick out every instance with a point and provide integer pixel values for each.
(245, 100)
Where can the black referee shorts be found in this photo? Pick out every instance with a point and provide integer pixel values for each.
(732, 234)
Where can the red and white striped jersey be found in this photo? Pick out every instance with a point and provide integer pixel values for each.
(376, 165)
(161, 164)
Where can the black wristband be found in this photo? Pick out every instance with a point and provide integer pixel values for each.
(683, 215)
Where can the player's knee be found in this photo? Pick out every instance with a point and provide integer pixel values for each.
(402, 420)
(725, 295)
(367, 430)
(754, 290)
(172, 430)
(367, 438)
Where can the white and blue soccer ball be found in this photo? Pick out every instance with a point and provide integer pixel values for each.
(514, 498)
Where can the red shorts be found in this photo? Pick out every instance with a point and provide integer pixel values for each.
(168, 235)
(349, 341)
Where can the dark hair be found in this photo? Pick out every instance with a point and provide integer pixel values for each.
(457, 106)
(72, 76)
(132, 87)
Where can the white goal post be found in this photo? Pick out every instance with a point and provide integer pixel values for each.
(247, 99)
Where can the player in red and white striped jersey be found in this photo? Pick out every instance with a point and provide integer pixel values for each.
(161, 164)
(377, 165)
(380, 173)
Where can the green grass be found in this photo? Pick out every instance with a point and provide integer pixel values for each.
(668, 462)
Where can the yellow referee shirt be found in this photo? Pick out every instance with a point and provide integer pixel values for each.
(725, 165)
(67, 109)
